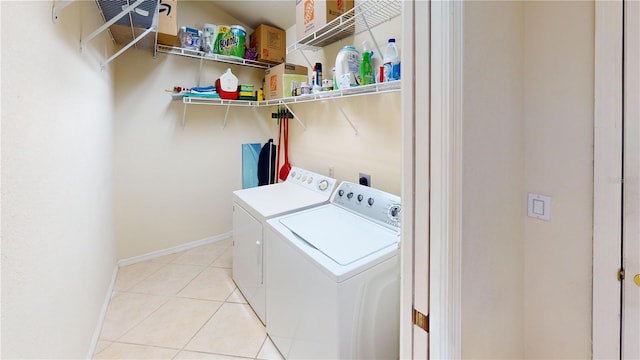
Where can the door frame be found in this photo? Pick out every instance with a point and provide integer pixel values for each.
(432, 177)
(607, 175)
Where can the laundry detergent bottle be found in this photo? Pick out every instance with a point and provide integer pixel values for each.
(366, 69)
(347, 67)
(391, 61)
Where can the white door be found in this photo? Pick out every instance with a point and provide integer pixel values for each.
(631, 185)
(414, 339)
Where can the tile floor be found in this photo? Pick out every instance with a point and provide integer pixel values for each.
(182, 306)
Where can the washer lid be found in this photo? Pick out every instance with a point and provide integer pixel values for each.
(276, 199)
(339, 234)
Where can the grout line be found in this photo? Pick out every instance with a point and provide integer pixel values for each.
(169, 297)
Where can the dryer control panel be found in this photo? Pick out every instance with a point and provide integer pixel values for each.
(312, 181)
(376, 205)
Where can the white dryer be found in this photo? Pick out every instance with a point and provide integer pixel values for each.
(251, 208)
(333, 277)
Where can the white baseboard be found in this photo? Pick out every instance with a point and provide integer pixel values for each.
(103, 313)
(173, 250)
(137, 259)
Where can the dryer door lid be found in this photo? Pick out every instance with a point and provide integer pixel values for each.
(339, 234)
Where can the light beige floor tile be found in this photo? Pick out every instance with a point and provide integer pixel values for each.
(225, 260)
(236, 297)
(101, 345)
(131, 351)
(211, 284)
(126, 310)
(186, 355)
(131, 275)
(226, 242)
(202, 255)
(233, 330)
(269, 351)
(169, 280)
(174, 324)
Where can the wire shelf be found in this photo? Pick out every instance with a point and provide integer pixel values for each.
(362, 17)
(379, 88)
(213, 57)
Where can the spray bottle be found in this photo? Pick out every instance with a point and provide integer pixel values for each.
(366, 69)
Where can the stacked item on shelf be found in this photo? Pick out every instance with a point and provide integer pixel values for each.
(312, 16)
(268, 43)
(203, 92)
(131, 25)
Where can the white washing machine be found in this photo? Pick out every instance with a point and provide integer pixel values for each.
(251, 208)
(333, 277)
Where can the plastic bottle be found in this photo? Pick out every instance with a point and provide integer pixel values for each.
(366, 69)
(391, 61)
(347, 67)
(317, 74)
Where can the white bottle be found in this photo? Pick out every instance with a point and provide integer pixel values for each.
(347, 67)
(391, 61)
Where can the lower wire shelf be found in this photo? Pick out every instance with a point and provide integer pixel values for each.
(379, 88)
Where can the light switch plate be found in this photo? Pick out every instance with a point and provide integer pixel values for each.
(539, 206)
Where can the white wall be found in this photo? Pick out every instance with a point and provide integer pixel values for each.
(559, 53)
(528, 127)
(174, 185)
(493, 181)
(329, 140)
(58, 252)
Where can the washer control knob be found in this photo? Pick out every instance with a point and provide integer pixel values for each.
(370, 201)
(340, 192)
(394, 213)
(323, 185)
(304, 178)
(360, 197)
(349, 195)
(293, 174)
(298, 177)
(309, 180)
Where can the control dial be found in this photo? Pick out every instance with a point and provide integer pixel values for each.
(323, 185)
(394, 213)
(360, 197)
(350, 195)
(340, 192)
(370, 201)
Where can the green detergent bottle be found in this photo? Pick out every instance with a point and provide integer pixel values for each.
(366, 69)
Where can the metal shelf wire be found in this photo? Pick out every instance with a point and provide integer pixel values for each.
(214, 57)
(363, 17)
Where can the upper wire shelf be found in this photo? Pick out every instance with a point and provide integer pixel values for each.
(363, 17)
(214, 57)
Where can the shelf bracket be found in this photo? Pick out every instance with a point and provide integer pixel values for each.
(225, 117)
(294, 114)
(184, 114)
(57, 7)
(106, 25)
(126, 47)
(373, 38)
(345, 115)
(306, 58)
(200, 71)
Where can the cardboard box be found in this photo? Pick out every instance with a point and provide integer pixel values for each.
(278, 80)
(311, 15)
(270, 44)
(168, 23)
(122, 35)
